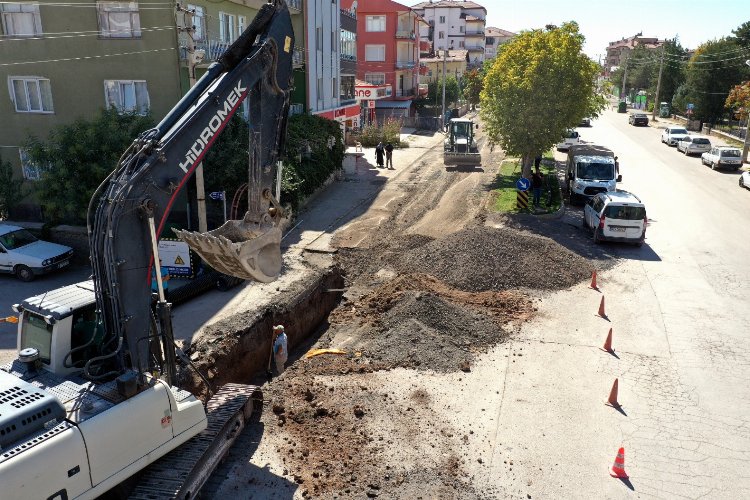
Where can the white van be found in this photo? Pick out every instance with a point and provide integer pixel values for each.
(616, 216)
(571, 137)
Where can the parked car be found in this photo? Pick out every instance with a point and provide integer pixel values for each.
(638, 119)
(722, 157)
(693, 144)
(745, 179)
(616, 216)
(22, 254)
(672, 135)
(585, 122)
(571, 137)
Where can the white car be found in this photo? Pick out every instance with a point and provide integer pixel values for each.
(22, 254)
(672, 135)
(722, 157)
(694, 144)
(571, 137)
(616, 216)
(745, 179)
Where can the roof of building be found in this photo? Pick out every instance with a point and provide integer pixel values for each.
(633, 41)
(492, 31)
(393, 104)
(453, 56)
(460, 4)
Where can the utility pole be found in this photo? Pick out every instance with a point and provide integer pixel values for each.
(192, 61)
(624, 78)
(746, 146)
(658, 83)
(445, 56)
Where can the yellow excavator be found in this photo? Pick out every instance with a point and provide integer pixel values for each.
(92, 399)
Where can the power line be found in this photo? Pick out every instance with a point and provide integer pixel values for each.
(81, 58)
(75, 34)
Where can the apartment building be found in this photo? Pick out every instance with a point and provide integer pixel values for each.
(453, 60)
(493, 39)
(454, 25)
(388, 53)
(619, 51)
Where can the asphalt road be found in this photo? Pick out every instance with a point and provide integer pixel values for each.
(677, 307)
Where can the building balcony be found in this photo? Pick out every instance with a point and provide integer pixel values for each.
(346, 13)
(348, 57)
(405, 93)
(298, 57)
(406, 34)
(406, 64)
(213, 49)
(473, 33)
(474, 48)
(296, 109)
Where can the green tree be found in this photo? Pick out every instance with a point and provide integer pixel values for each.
(673, 73)
(435, 91)
(539, 85)
(474, 81)
(712, 71)
(742, 34)
(10, 189)
(738, 100)
(77, 157)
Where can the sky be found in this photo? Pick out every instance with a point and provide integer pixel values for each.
(604, 21)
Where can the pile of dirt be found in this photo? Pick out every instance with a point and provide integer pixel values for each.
(416, 321)
(485, 258)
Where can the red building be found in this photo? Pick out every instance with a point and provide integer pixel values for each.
(388, 52)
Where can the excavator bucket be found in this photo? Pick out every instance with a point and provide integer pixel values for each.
(462, 159)
(239, 248)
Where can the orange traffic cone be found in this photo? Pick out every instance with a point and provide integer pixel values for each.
(601, 309)
(608, 343)
(613, 395)
(593, 281)
(618, 469)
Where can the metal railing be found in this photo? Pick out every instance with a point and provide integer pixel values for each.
(474, 47)
(405, 64)
(213, 49)
(405, 93)
(406, 34)
(474, 33)
(345, 12)
(348, 57)
(296, 109)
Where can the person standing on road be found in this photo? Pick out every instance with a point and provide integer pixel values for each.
(389, 156)
(379, 151)
(280, 349)
(537, 181)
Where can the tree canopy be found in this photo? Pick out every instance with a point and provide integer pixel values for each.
(435, 91)
(539, 85)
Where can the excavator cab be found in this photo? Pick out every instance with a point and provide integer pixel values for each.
(460, 147)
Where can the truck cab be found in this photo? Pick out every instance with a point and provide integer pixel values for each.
(590, 169)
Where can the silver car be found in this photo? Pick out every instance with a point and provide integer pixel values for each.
(694, 144)
(723, 157)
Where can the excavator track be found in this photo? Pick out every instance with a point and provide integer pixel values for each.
(181, 473)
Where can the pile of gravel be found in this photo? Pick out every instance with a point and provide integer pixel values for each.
(484, 258)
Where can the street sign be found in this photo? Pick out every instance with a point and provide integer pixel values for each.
(523, 184)
(216, 195)
(690, 106)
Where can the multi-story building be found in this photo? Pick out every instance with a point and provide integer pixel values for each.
(619, 51)
(327, 29)
(455, 24)
(388, 53)
(455, 65)
(65, 61)
(493, 39)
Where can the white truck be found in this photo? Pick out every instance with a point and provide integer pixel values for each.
(591, 169)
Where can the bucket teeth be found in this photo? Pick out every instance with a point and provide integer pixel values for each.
(257, 256)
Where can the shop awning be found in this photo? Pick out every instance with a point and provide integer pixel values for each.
(393, 104)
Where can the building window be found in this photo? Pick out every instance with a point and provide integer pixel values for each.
(442, 19)
(346, 92)
(31, 171)
(127, 96)
(320, 88)
(375, 78)
(375, 23)
(319, 38)
(227, 27)
(374, 52)
(241, 23)
(119, 20)
(334, 87)
(441, 35)
(31, 95)
(21, 19)
(460, 29)
(348, 45)
(199, 15)
(461, 44)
